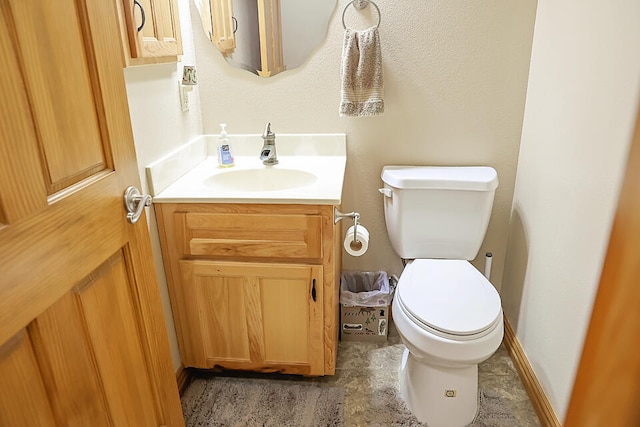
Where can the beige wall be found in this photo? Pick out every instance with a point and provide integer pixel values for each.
(455, 78)
(580, 109)
(455, 81)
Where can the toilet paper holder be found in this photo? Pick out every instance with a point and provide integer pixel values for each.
(354, 215)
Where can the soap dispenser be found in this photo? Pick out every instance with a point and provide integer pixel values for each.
(225, 156)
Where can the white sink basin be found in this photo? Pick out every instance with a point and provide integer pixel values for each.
(267, 178)
(311, 171)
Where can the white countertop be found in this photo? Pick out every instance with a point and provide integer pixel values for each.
(327, 188)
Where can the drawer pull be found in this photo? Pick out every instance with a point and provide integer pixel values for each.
(137, 3)
(313, 289)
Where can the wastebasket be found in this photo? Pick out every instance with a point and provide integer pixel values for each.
(365, 299)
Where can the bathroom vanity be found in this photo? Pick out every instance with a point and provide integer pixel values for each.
(253, 258)
(253, 285)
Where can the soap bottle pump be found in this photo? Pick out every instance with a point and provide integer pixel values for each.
(225, 156)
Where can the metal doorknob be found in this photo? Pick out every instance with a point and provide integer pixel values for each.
(135, 202)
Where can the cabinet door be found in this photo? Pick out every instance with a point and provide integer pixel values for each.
(263, 317)
(152, 30)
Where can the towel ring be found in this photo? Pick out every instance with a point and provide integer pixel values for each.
(360, 4)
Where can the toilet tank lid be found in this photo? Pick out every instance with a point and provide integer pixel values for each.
(475, 178)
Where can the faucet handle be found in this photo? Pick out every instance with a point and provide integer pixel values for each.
(267, 132)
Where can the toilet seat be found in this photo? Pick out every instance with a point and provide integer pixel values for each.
(449, 298)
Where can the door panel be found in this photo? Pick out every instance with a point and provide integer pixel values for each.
(21, 190)
(108, 308)
(286, 314)
(218, 319)
(73, 272)
(68, 365)
(54, 64)
(22, 383)
(291, 301)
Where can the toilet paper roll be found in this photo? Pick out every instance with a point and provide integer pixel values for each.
(362, 244)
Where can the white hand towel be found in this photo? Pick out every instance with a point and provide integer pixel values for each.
(362, 86)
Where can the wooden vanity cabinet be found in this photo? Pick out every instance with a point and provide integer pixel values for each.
(252, 286)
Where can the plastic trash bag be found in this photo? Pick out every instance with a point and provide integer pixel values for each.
(365, 288)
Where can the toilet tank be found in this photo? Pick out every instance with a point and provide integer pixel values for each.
(438, 211)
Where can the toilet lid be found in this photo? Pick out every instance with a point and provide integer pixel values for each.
(449, 296)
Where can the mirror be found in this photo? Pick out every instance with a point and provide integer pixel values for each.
(266, 37)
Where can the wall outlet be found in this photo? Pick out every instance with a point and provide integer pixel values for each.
(184, 97)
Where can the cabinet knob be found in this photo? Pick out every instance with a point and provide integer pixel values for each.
(313, 289)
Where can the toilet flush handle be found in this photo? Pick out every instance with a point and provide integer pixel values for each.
(386, 191)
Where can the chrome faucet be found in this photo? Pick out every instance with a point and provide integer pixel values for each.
(268, 153)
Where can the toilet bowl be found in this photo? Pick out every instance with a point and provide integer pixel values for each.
(449, 317)
(447, 313)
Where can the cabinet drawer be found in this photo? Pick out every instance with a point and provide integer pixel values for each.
(250, 235)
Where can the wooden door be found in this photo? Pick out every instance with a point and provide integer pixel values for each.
(82, 337)
(263, 317)
(606, 390)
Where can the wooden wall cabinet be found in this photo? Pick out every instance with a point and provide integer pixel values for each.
(150, 31)
(253, 287)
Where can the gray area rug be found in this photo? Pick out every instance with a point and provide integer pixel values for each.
(494, 411)
(222, 401)
(390, 410)
(232, 401)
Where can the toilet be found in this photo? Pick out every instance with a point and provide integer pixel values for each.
(448, 315)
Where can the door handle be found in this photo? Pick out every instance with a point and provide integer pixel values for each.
(313, 289)
(135, 202)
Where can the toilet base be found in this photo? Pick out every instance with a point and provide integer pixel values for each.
(439, 396)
